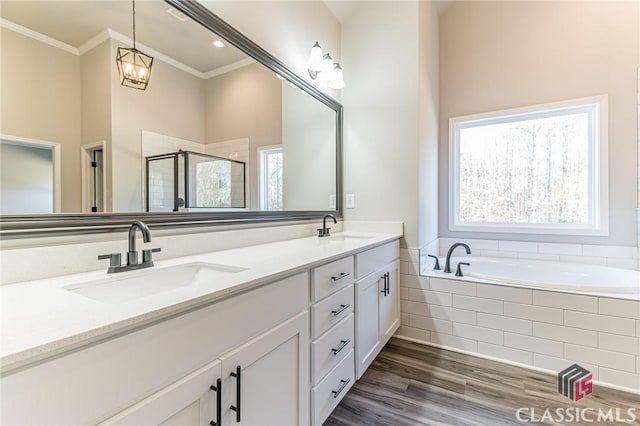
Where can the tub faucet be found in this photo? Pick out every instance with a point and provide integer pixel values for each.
(447, 264)
(132, 255)
(324, 231)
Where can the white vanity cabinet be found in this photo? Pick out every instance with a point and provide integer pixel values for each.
(377, 301)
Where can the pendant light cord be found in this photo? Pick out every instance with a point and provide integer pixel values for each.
(134, 24)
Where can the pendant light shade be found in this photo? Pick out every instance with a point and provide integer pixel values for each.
(322, 68)
(134, 66)
(314, 64)
(337, 79)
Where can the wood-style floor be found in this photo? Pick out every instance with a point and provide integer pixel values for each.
(413, 384)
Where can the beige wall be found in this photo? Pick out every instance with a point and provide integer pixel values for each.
(309, 151)
(245, 103)
(33, 107)
(497, 55)
(173, 104)
(380, 49)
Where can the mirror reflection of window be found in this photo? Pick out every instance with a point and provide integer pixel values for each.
(271, 178)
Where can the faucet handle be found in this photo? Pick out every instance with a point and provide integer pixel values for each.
(436, 267)
(147, 255)
(323, 232)
(459, 269)
(115, 260)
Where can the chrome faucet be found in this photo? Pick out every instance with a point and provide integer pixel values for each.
(447, 264)
(324, 231)
(132, 255)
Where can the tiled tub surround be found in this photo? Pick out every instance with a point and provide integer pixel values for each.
(41, 318)
(546, 330)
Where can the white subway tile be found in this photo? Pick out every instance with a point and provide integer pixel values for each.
(532, 312)
(584, 259)
(500, 292)
(637, 328)
(453, 286)
(500, 322)
(600, 357)
(413, 281)
(558, 364)
(621, 252)
(410, 255)
(498, 253)
(538, 256)
(413, 268)
(534, 344)
(404, 318)
(575, 302)
(404, 293)
(518, 246)
(634, 253)
(478, 333)
(404, 268)
(619, 308)
(623, 263)
(414, 333)
(609, 324)
(502, 352)
(428, 296)
(454, 342)
(472, 243)
(638, 364)
(618, 343)
(489, 306)
(566, 334)
(431, 324)
(560, 249)
(620, 378)
(416, 308)
(452, 314)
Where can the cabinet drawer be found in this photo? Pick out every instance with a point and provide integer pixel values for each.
(331, 277)
(330, 391)
(328, 350)
(331, 310)
(370, 260)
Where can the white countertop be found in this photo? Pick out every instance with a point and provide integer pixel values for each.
(42, 318)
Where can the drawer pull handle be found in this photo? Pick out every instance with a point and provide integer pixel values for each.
(218, 390)
(340, 310)
(236, 407)
(343, 384)
(386, 290)
(343, 344)
(340, 276)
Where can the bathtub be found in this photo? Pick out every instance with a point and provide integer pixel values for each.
(548, 275)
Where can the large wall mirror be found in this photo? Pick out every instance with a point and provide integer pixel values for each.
(223, 132)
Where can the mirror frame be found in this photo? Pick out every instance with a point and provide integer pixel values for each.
(25, 226)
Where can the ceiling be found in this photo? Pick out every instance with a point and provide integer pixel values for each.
(342, 8)
(76, 22)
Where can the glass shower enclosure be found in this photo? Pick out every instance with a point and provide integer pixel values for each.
(192, 181)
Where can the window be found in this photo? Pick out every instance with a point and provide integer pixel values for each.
(540, 169)
(271, 178)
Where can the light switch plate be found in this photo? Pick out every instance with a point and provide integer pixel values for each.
(350, 202)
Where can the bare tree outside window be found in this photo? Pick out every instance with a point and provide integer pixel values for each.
(272, 179)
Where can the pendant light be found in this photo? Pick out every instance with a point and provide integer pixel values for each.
(134, 66)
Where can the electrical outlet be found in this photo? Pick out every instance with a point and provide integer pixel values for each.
(332, 201)
(350, 202)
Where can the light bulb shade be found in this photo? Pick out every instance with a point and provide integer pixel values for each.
(314, 64)
(337, 78)
(327, 67)
(134, 67)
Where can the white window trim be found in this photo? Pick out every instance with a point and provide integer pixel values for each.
(262, 184)
(598, 170)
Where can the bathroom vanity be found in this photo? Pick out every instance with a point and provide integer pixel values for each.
(280, 339)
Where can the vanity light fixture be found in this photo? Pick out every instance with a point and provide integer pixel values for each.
(321, 67)
(134, 66)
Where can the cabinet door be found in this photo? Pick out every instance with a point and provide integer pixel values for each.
(266, 381)
(390, 303)
(189, 401)
(367, 320)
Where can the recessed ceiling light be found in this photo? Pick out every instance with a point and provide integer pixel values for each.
(218, 43)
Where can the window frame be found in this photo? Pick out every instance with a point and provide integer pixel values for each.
(598, 224)
(263, 151)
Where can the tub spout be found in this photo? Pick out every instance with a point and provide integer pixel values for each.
(447, 264)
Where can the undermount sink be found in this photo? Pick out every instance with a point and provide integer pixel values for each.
(349, 237)
(133, 285)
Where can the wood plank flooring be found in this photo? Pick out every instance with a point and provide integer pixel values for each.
(412, 384)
